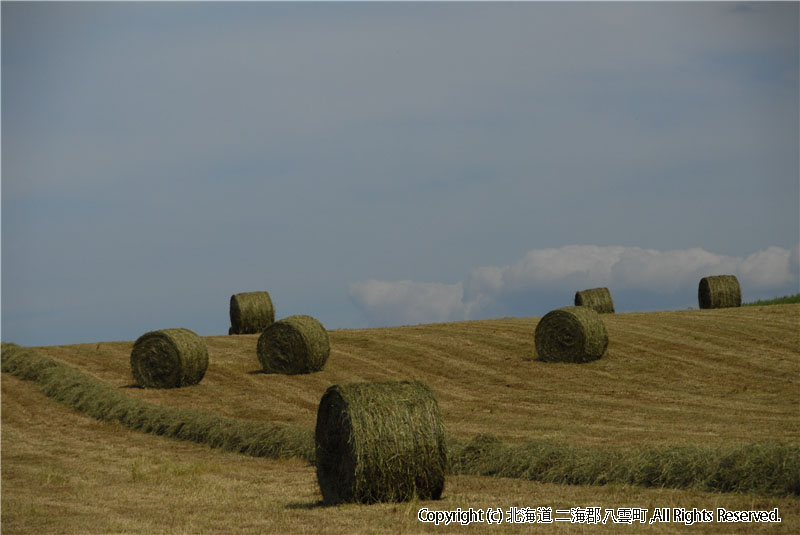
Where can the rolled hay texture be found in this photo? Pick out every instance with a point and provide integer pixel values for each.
(598, 299)
(169, 358)
(380, 442)
(251, 312)
(719, 291)
(571, 334)
(295, 344)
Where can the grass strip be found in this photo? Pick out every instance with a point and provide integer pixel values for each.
(769, 468)
(785, 300)
(106, 403)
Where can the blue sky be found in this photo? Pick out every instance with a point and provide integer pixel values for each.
(389, 163)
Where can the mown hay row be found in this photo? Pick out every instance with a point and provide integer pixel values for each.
(251, 312)
(719, 291)
(598, 299)
(381, 441)
(169, 358)
(570, 334)
(293, 345)
(106, 403)
(768, 467)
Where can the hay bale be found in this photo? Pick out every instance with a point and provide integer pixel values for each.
(598, 299)
(295, 344)
(571, 334)
(251, 312)
(719, 291)
(379, 442)
(169, 358)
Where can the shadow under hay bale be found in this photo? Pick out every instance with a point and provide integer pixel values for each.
(251, 312)
(380, 442)
(719, 291)
(295, 344)
(571, 334)
(169, 358)
(598, 299)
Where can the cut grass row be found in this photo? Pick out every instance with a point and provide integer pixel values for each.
(65, 473)
(692, 377)
(762, 467)
(105, 403)
(766, 467)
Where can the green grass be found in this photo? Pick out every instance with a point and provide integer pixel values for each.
(785, 300)
(767, 468)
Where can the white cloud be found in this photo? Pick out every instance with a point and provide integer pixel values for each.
(407, 302)
(667, 271)
(768, 268)
(660, 276)
(570, 264)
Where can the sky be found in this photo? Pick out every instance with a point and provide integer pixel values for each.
(374, 164)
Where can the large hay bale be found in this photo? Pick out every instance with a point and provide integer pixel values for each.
(598, 299)
(251, 312)
(169, 358)
(378, 442)
(719, 291)
(295, 344)
(571, 334)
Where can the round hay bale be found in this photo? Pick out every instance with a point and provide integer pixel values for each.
(251, 312)
(380, 442)
(295, 344)
(598, 299)
(169, 358)
(571, 334)
(719, 291)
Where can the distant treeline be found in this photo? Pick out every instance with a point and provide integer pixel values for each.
(785, 300)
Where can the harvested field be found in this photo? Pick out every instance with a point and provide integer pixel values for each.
(95, 477)
(688, 380)
(706, 377)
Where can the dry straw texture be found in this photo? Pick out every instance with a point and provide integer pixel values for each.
(107, 403)
(251, 312)
(169, 358)
(571, 334)
(764, 467)
(379, 442)
(720, 291)
(598, 299)
(296, 344)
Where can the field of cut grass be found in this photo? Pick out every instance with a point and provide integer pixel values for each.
(66, 473)
(705, 379)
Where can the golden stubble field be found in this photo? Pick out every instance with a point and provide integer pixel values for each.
(710, 377)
